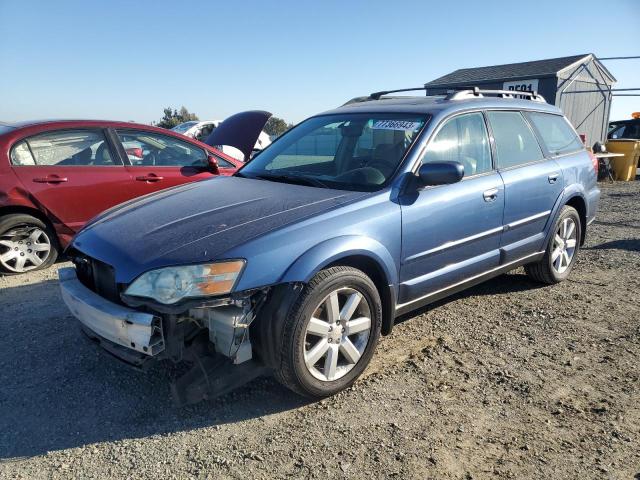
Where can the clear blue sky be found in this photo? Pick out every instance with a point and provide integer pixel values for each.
(126, 60)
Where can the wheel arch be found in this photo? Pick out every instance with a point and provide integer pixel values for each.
(359, 252)
(24, 210)
(579, 203)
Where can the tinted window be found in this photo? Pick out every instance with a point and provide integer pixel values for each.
(617, 132)
(154, 149)
(345, 151)
(626, 130)
(462, 139)
(556, 133)
(515, 143)
(65, 148)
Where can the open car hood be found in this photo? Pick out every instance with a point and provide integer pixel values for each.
(240, 131)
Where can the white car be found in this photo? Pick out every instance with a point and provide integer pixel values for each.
(200, 130)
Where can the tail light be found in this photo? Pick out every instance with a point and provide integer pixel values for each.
(594, 159)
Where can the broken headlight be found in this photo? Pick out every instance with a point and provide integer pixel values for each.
(171, 284)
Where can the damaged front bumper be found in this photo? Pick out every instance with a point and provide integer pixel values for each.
(117, 324)
(214, 339)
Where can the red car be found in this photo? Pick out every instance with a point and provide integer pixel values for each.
(56, 175)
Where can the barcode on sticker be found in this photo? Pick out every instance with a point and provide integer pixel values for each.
(396, 125)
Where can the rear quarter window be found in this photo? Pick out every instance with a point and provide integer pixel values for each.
(556, 133)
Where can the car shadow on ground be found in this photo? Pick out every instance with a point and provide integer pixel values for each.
(632, 245)
(57, 391)
(616, 224)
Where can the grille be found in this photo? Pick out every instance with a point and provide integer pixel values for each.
(98, 277)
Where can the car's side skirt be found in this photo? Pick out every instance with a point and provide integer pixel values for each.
(431, 297)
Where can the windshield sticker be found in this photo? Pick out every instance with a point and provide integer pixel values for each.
(397, 125)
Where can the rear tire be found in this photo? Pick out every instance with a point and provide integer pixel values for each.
(330, 333)
(26, 244)
(562, 249)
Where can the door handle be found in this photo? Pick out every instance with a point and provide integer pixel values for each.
(553, 178)
(490, 195)
(149, 178)
(51, 179)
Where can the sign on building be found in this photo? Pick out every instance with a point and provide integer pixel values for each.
(530, 85)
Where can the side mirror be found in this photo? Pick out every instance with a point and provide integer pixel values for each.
(212, 163)
(440, 173)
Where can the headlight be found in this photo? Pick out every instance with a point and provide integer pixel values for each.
(172, 284)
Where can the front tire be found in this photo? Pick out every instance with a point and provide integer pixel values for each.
(330, 333)
(562, 249)
(26, 244)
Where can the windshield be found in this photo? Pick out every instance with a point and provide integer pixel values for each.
(346, 151)
(183, 127)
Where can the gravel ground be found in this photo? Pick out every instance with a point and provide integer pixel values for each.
(507, 380)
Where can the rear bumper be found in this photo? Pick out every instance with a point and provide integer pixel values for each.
(101, 319)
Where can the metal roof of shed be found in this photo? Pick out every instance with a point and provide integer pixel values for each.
(517, 71)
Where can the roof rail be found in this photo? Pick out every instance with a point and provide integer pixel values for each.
(377, 95)
(475, 92)
(460, 93)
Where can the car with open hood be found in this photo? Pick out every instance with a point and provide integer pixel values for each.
(201, 129)
(298, 262)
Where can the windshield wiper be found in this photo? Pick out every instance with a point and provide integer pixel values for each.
(313, 182)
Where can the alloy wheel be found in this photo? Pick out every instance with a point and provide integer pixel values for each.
(24, 248)
(564, 245)
(337, 334)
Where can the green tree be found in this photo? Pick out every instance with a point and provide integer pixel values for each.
(173, 117)
(276, 126)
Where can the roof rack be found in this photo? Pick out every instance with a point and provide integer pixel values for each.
(460, 93)
(475, 92)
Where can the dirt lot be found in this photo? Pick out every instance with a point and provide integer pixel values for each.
(507, 380)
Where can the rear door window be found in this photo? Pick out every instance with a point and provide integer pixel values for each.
(556, 133)
(64, 148)
(515, 142)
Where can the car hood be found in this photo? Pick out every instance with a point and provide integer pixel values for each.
(198, 222)
(241, 131)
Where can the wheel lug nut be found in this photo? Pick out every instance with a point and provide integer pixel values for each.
(330, 341)
(22, 254)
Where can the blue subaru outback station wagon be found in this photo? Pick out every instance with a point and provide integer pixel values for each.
(301, 260)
